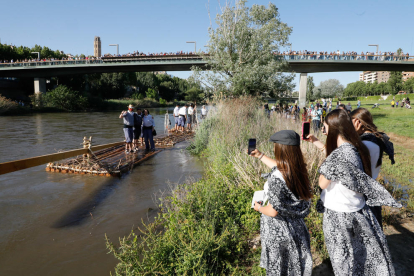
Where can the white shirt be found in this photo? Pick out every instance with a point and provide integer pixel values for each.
(374, 152)
(339, 198)
(190, 110)
(203, 111)
(183, 111)
(176, 109)
(148, 121)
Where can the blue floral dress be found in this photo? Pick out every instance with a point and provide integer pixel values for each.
(285, 238)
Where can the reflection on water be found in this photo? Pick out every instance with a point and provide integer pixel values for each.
(55, 224)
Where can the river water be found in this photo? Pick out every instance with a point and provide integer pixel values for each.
(55, 224)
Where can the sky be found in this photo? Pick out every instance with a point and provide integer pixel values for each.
(166, 25)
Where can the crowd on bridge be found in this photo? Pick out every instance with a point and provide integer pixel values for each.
(349, 55)
(142, 54)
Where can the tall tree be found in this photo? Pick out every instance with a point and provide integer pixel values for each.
(241, 52)
(330, 88)
(395, 82)
(309, 89)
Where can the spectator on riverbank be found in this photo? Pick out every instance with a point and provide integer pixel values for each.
(148, 126)
(128, 119)
(203, 112)
(359, 104)
(392, 103)
(316, 119)
(376, 142)
(348, 107)
(285, 204)
(347, 192)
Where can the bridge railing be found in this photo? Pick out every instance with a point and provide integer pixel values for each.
(286, 57)
(347, 57)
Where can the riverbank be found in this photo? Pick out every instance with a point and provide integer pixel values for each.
(11, 108)
(208, 227)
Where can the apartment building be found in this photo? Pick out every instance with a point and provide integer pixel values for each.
(372, 76)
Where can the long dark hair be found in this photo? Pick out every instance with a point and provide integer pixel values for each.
(290, 162)
(340, 124)
(367, 122)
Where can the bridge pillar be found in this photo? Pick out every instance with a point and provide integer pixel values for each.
(303, 83)
(39, 85)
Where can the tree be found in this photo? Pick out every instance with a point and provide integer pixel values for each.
(395, 82)
(241, 50)
(309, 89)
(409, 85)
(194, 95)
(329, 89)
(63, 97)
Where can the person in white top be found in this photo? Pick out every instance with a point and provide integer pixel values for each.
(376, 143)
(176, 115)
(190, 116)
(182, 117)
(203, 112)
(348, 223)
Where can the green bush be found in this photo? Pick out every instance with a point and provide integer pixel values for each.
(162, 101)
(62, 97)
(151, 94)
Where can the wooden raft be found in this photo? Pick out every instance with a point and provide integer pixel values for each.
(114, 161)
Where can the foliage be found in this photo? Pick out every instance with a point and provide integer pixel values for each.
(162, 101)
(309, 89)
(395, 82)
(241, 47)
(328, 89)
(194, 95)
(9, 52)
(393, 86)
(7, 105)
(138, 96)
(151, 94)
(205, 227)
(62, 97)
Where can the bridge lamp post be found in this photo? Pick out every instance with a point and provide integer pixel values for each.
(375, 45)
(195, 45)
(117, 48)
(38, 54)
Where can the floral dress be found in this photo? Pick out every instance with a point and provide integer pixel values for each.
(285, 239)
(355, 241)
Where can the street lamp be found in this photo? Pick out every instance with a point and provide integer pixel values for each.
(117, 48)
(38, 54)
(195, 45)
(374, 46)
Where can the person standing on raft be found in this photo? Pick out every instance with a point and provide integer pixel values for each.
(128, 117)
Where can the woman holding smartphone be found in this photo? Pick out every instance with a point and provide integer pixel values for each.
(376, 142)
(353, 237)
(284, 236)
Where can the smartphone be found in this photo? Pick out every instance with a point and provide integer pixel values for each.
(305, 130)
(252, 146)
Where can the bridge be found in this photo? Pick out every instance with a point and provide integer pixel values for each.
(303, 64)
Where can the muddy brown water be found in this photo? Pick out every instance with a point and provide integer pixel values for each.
(55, 224)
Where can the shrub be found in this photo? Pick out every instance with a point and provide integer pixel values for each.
(163, 102)
(7, 105)
(63, 97)
(151, 93)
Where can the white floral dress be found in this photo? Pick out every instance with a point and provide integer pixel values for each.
(285, 238)
(355, 241)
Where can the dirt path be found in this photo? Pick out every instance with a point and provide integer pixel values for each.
(405, 142)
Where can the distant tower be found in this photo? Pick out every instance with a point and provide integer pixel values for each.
(97, 46)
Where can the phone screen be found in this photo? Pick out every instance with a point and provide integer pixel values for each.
(305, 130)
(252, 145)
